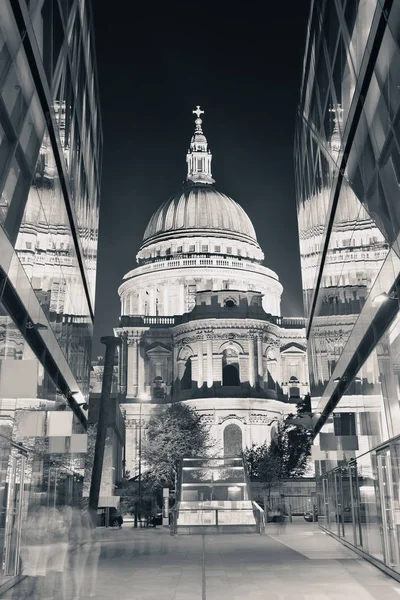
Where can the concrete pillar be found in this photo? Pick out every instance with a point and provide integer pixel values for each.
(200, 377)
(102, 423)
(252, 378)
(210, 378)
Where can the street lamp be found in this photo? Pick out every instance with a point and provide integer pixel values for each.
(145, 398)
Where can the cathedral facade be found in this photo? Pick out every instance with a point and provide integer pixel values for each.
(200, 320)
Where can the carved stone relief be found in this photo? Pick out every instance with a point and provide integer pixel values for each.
(261, 419)
(231, 416)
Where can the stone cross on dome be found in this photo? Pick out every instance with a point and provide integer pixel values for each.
(198, 121)
(198, 111)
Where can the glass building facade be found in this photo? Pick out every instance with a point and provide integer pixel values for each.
(347, 162)
(50, 147)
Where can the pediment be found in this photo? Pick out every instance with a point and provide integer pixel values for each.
(293, 348)
(159, 351)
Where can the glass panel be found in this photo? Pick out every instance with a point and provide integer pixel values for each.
(13, 524)
(47, 252)
(10, 186)
(386, 493)
(16, 97)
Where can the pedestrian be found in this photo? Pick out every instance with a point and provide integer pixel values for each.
(57, 548)
(34, 550)
(280, 521)
(84, 553)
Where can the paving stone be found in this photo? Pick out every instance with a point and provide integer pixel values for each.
(300, 564)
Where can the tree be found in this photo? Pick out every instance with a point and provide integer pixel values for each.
(304, 406)
(174, 432)
(285, 457)
(129, 493)
(292, 446)
(263, 465)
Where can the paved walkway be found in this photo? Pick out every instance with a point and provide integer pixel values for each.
(303, 563)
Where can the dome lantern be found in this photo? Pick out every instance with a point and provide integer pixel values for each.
(198, 157)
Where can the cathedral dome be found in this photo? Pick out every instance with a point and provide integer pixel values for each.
(200, 209)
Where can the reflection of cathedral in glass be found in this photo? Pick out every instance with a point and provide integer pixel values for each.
(50, 144)
(200, 318)
(347, 182)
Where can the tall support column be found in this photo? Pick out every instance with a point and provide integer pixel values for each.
(123, 366)
(182, 296)
(141, 372)
(165, 300)
(210, 378)
(111, 343)
(200, 378)
(133, 366)
(175, 377)
(252, 378)
(260, 358)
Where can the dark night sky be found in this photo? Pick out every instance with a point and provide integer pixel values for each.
(244, 69)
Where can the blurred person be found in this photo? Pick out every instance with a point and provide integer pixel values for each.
(83, 553)
(57, 548)
(280, 521)
(34, 551)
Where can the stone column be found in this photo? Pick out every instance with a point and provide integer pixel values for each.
(260, 357)
(252, 378)
(141, 372)
(165, 300)
(123, 366)
(200, 377)
(152, 301)
(140, 307)
(182, 296)
(132, 367)
(210, 378)
(175, 380)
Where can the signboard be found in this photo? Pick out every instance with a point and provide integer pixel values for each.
(165, 508)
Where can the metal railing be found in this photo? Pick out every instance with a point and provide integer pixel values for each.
(212, 517)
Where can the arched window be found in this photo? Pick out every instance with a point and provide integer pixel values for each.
(232, 440)
(230, 367)
(146, 308)
(186, 381)
(230, 375)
